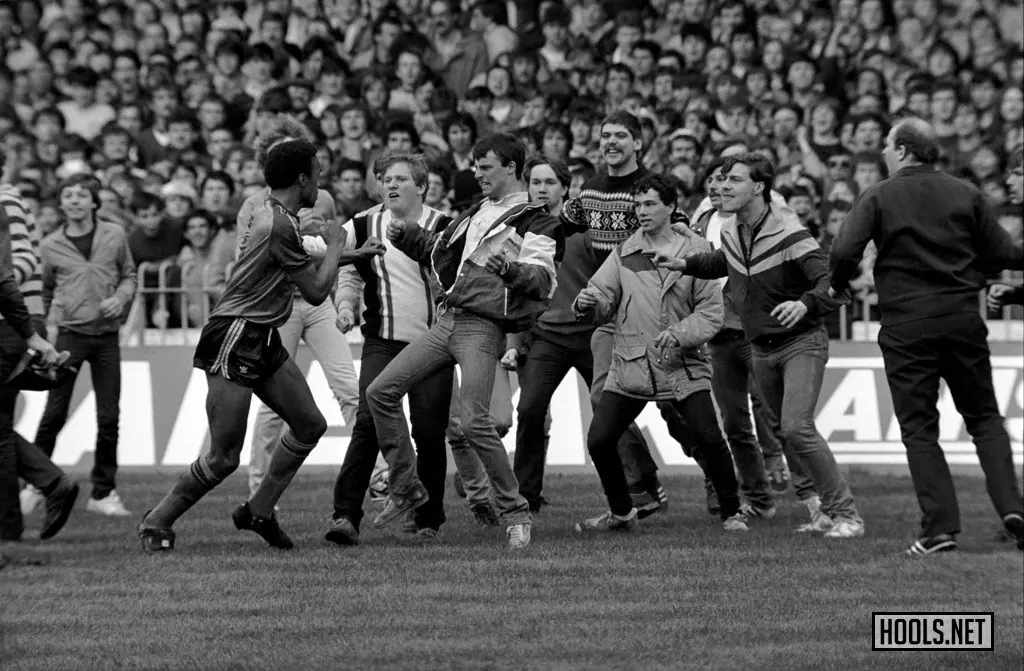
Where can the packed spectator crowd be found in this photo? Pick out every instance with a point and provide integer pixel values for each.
(161, 100)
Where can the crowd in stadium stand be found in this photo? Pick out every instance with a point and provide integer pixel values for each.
(161, 101)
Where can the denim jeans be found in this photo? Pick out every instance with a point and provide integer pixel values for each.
(103, 354)
(639, 465)
(697, 411)
(428, 404)
(790, 374)
(917, 356)
(475, 344)
(315, 325)
(735, 388)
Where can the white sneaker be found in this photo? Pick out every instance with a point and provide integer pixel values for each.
(736, 523)
(30, 498)
(518, 536)
(820, 522)
(846, 529)
(110, 506)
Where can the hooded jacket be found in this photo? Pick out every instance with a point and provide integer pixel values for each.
(642, 305)
(532, 242)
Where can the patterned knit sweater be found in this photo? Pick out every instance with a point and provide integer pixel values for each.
(605, 210)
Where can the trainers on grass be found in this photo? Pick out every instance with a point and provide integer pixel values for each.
(607, 521)
(923, 547)
(518, 536)
(395, 507)
(268, 529)
(111, 505)
(29, 498)
(757, 512)
(342, 532)
(58, 507)
(820, 522)
(845, 528)
(735, 523)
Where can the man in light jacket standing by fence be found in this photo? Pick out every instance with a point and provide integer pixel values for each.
(89, 281)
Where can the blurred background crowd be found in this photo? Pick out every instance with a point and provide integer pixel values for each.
(161, 100)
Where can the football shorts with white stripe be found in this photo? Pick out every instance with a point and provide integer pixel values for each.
(239, 350)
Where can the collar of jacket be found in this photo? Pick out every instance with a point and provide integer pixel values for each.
(682, 243)
(779, 220)
(460, 225)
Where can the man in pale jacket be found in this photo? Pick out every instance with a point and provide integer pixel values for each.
(662, 322)
(89, 282)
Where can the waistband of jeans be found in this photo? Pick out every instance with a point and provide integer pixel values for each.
(728, 335)
(773, 341)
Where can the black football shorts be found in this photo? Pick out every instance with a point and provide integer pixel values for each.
(239, 350)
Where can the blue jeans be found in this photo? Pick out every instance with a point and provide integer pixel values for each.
(103, 354)
(475, 344)
(790, 373)
(735, 391)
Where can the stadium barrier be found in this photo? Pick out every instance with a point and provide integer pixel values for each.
(163, 419)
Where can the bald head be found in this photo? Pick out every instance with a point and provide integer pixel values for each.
(917, 138)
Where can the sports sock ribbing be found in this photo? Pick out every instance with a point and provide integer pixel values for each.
(284, 464)
(191, 486)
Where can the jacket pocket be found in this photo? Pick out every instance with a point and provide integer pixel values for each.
(631, 369)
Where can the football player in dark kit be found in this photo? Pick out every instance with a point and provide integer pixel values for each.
(242, 354)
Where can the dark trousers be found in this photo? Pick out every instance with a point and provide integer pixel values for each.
(546, 366)
(428, 413)
(18, 457)
(615, 412)
(953, 348)
(103, 354)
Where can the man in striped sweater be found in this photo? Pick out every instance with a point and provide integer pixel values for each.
(398, 308)
(605, 212)
(19, 257)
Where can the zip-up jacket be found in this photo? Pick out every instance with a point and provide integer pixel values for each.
(783, 263)
(937, 240)
(532, 242)
(641, 304)
(74, 286)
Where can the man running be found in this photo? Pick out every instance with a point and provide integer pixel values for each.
(241, 351)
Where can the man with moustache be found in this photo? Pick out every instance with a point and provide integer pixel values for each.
(937, 239)
(605, 212)
(778, 277)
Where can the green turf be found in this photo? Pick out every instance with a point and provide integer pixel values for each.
(678, 594)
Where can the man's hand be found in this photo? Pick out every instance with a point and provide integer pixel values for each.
(46, 350)
(111, 307)
(790, 313)
(334, 232)
(587, 299)
(496, 263)
(508, 361)
(311, 222)
(396, 229)
(666, 339)
(345, 320)
(370, 248)
(995, 295)
(681, 229)
(663, 260)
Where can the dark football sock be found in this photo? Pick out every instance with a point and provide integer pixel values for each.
(284, 464)
(192, 486)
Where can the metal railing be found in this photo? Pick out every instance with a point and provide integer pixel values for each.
(166, 297)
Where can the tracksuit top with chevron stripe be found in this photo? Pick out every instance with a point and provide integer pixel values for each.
(396, 289)
(783, 263)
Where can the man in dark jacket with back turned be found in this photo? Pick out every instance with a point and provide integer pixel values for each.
(937, 241)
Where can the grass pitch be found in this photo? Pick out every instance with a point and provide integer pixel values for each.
(678, 594)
